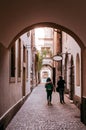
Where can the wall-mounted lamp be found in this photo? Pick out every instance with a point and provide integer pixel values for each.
(57, 57)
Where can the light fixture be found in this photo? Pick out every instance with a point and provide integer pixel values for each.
(57, 57)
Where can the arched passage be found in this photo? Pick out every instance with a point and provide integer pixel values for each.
(46, 71)
(53, 25)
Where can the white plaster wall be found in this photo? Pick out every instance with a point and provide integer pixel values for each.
(10, 93)
(4, 80)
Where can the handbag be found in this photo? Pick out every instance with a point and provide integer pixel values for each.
(57, 89)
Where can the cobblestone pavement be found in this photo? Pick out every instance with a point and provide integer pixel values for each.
(35, 114)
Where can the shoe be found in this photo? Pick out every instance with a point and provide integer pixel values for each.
(50, 104)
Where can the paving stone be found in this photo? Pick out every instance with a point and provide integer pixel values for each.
(35, 114)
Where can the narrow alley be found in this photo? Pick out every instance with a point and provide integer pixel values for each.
(35, 114)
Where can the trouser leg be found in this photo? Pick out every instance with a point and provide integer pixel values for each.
(60, 94)
(63, 96)
(50, 96)
(47, 96)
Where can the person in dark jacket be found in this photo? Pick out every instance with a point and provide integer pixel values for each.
(49, 89)
(61, 87)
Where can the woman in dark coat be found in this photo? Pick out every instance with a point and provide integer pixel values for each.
(61, 87)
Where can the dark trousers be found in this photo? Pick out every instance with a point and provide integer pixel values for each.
(61, 94)
(49, 95)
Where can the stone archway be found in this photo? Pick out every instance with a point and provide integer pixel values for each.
(56, 26)
(52, 25)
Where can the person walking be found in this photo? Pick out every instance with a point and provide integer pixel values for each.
(61, 86)
(49, 89)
